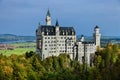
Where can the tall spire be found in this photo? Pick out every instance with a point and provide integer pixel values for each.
(57, 24)
(48, 18)
(48, 13)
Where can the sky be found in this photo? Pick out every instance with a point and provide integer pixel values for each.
(21, 17)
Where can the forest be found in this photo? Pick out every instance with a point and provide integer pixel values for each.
(29, 66)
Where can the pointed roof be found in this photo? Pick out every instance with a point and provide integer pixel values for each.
(96, 27)
(82, 35)
(57, 24)
(48, 13)
(51, 30)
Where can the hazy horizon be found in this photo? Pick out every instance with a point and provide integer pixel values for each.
(76, 35)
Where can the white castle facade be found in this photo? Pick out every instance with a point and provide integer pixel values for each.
(54, 40)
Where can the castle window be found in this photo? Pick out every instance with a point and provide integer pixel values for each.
(45, 37)
(45, 48)
(48, 37)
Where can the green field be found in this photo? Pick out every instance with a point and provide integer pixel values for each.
(21, 48)
(23, 44)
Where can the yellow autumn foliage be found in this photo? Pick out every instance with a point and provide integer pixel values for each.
(7, 70)
(2, 61)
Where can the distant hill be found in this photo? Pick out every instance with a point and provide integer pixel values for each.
(8, 38)
(14, 38)
(102, 37)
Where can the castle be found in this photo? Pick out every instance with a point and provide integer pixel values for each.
(54, 40)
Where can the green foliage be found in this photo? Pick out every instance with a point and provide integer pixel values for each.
(30, 67)
(105, 63)
(29, 54)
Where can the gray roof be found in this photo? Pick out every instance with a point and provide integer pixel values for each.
(57, 24)
(48, 13)
(51, 30)
(88, 42)
(66, 30)
(96, 27)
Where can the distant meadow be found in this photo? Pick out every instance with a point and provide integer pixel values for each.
(20, 48)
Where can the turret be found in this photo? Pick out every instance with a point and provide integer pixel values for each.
(57, 36)
(48, 18)
(96, 29)
(97, 36)
(57, 27)
(82, 38)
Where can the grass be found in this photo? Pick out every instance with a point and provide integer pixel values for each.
(19, 51)
(23, 44)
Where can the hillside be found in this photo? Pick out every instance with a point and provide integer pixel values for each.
(30, 67)
(14, 38)
(10, 38)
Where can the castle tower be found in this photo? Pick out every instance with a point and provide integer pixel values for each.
(97, 36)
(57, 27)
(48, 18)
(82, 38)
(57, 37)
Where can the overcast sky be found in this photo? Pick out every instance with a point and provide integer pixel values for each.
(21, 17)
